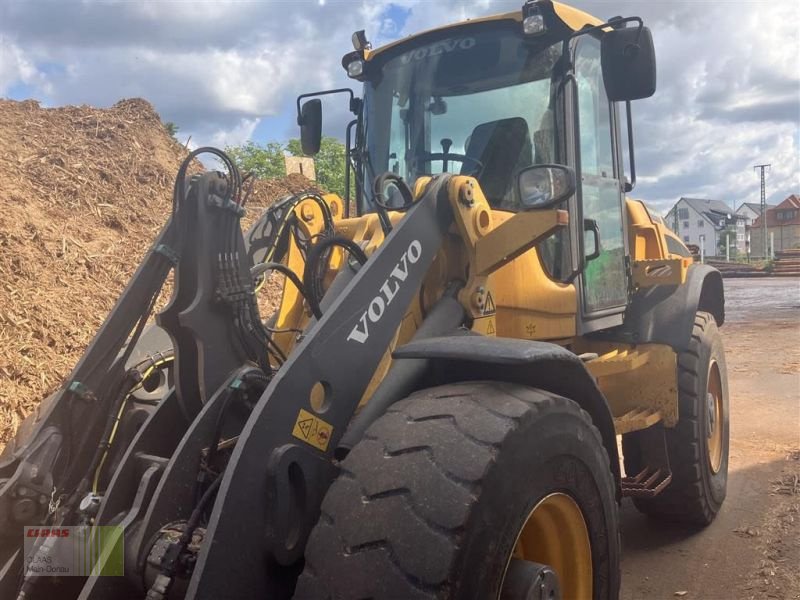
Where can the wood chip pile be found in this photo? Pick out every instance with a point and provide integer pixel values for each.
(84, 191)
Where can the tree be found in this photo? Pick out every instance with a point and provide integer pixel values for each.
(267, 161)
(328, 163)
(722, 240)
(172, 129)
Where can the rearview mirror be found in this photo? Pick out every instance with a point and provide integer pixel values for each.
(310, 121)
(629, 63)
(542, 186)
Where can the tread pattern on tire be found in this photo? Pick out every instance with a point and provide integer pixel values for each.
(685, 499)
(400, 537)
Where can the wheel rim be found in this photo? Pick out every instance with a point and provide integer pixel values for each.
(714, 417)
(555, 534)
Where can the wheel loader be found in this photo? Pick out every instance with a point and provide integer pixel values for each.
(434, 408)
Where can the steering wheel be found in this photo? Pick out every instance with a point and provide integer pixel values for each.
(477, 166)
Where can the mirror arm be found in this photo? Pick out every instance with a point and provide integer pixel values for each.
(632, 184)
(347, 165)
(614, 23)
(355, 103)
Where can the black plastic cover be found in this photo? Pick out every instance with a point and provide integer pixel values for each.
(665, 314)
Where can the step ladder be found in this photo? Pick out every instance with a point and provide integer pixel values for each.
(656, 475)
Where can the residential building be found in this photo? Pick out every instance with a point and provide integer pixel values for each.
(750, 211)
(783, 227)
(706, 224)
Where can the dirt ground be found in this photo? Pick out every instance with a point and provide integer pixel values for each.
(752, 550)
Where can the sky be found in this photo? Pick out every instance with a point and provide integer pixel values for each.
(229, 71)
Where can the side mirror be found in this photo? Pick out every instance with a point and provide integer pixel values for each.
(542, 186)
(310, 121)
(629, 63)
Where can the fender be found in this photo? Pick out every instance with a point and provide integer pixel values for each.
(665, 314)
(465, 357)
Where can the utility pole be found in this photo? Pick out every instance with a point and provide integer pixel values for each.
(762, 168)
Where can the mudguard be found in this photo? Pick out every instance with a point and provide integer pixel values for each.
(665, 314)
(546, 366)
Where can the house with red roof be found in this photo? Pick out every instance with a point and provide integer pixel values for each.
(783, 227)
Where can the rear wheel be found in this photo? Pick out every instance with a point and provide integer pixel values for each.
(460, 488)
(698, 445)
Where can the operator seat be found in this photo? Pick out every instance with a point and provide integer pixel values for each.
(503, 147)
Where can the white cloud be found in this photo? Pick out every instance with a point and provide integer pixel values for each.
(16, 67)
(236, 135)
(388, 28)
(728, 91)
(728, 97)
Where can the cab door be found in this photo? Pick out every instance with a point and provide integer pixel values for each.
(603, 284)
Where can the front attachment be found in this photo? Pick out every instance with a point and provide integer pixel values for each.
(282, 465)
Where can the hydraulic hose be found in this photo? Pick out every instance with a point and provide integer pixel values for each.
(378, 196)
(160, 588)
(262, 268)
(316, 255)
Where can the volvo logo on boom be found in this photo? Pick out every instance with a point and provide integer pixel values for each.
(389, 289)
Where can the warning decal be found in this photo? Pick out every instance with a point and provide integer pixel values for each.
(312, 430)
(489, 307)
(485, 325)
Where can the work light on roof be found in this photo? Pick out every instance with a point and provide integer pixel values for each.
(360, 42)
(532, 19)
(355, 68)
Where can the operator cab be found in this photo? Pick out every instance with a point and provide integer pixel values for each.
(493, 97)
(473, 100)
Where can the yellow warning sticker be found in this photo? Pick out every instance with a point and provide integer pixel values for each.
(312, 430)
(489, 307)
(485, 325)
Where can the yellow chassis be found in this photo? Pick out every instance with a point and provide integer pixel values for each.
(508, 293)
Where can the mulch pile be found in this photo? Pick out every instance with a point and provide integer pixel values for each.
(267, 191)
(83, 192)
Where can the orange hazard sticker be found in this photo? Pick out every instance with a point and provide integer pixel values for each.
(312, 430)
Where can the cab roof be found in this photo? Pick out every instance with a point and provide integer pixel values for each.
(573, 18)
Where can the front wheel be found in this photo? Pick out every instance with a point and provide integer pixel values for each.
(470, 490)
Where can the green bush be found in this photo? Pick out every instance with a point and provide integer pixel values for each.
(267, 161)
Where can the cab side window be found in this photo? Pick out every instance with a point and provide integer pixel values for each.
(605, 282)
(597, 154)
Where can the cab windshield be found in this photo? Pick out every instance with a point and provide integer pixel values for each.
(480, 103)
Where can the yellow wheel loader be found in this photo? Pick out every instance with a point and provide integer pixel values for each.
(433, 409)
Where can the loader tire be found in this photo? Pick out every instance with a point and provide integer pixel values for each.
(698, 445)
(436, 498)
